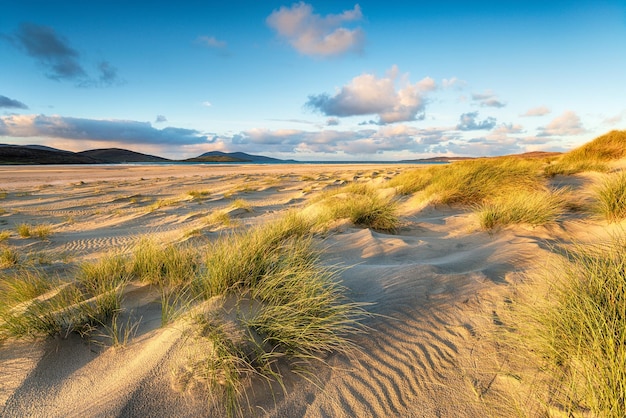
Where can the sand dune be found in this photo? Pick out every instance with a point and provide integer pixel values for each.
(433, 290)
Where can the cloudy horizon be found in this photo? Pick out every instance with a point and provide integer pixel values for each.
(313, 80)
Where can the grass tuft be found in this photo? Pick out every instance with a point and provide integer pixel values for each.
(42, 231)
(362, 204)
(577, 330)
(532, 208)
(610, 198)
(8, 257)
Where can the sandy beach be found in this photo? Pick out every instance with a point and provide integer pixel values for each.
(434, 290)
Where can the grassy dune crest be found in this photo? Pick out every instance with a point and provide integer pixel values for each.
(593, 156)
(473, 181)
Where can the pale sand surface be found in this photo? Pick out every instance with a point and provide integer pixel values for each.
(435, 289)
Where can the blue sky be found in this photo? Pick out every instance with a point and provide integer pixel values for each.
(332, 80)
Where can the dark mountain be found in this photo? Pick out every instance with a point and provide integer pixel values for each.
(118, 155)
(235, 157)
(15, 154)
(40, 154)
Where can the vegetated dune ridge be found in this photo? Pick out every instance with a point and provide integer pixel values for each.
(434, 288)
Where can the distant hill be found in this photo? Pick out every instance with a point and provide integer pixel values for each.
(235, 157)
(40, 154)
(118, 155)
(15, 154)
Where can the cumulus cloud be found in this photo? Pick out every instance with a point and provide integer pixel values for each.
(399, 139)
(467, 122)
(369, 95)
(59, 60)
(8, 103)
(160, 119)
(488, 99)
(124, 131)
(313, 34)
(536, 111)
(568, 123)
(332, 122)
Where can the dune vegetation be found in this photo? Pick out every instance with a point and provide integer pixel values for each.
(593, 156)
(300, 315)
(257, 302)
(574, 329)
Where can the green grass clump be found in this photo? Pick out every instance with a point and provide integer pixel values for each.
(37, 305)
(219, 218)
(8, 257)
(22, 286)
(240, 259)
(533, 208)
(199, 194)
(300, 312)
(472, 182)
(226, 367)
(42, 231)
(362, 204)
(578, 330)
(242, 204)
(5, 235)
(610, 198)
(304, 310)
(164, 265)
(593, 156)
(173, 269)
(477, 181)
(411, 181)
(103, 280)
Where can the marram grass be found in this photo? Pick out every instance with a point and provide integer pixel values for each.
(471, 182)
(593, 156)
(610, 197)
(301, 316)
(533, 208)
(576, 331)
(362, 205)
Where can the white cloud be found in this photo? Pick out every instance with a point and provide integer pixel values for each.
(114, 131)
(487, 99)
(312, 34)
(399, 139)
(369, 95)
(207, 104)
(211, 42)
(448, 83)
(568, 123)
(536, 111)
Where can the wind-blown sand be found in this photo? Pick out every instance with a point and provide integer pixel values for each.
(434, 288)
